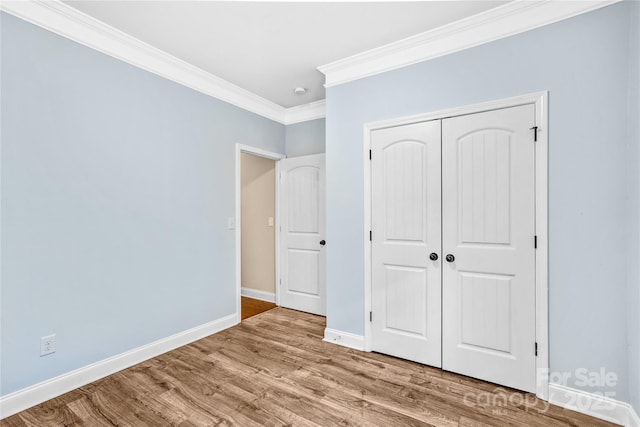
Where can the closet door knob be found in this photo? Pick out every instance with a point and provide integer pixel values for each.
(450, 258)
(322, 242)
(433, 256)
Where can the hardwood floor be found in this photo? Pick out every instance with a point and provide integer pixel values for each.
(274, 370)
(251, 307)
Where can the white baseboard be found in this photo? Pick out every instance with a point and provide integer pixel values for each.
(30, 396)
(345, 339)
(256, 294)
(594, 405)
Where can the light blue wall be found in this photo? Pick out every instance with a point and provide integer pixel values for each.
(305, 138)
(116, 188)
(633, 298)
(583, 62)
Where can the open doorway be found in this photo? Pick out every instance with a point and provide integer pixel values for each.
(256, 230)
(258, 253)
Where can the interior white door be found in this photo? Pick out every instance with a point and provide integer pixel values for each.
(302, 222)
(406, 209)
(489, 226)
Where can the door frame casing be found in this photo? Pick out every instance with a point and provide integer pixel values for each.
(540, 102)
(241, 148)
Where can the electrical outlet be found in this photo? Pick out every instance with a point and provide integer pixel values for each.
(270, 221)
(231, 223)
(48, 345)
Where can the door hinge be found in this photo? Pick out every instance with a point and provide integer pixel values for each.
(536, 349)
(370, 236)
(535, 242)
(369, 154)
(371, 316)
(535, 133)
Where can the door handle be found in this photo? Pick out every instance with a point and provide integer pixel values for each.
(433, 256)
(323, 242)
(450, 258)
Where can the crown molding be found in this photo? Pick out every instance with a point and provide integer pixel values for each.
(64, 20)
(302, 113)
(509, 19)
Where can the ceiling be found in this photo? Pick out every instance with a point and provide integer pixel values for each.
(269, 48)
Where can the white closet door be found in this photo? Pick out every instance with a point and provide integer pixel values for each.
(489, 227)
(302, 254)
(406, 208)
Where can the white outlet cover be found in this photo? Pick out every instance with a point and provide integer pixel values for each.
(270, 221)
(231, 223)
(48, 345)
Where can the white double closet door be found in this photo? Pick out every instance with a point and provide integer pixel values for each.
(453, 255)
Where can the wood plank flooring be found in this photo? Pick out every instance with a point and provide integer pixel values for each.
(251, 307)
(274, 370)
